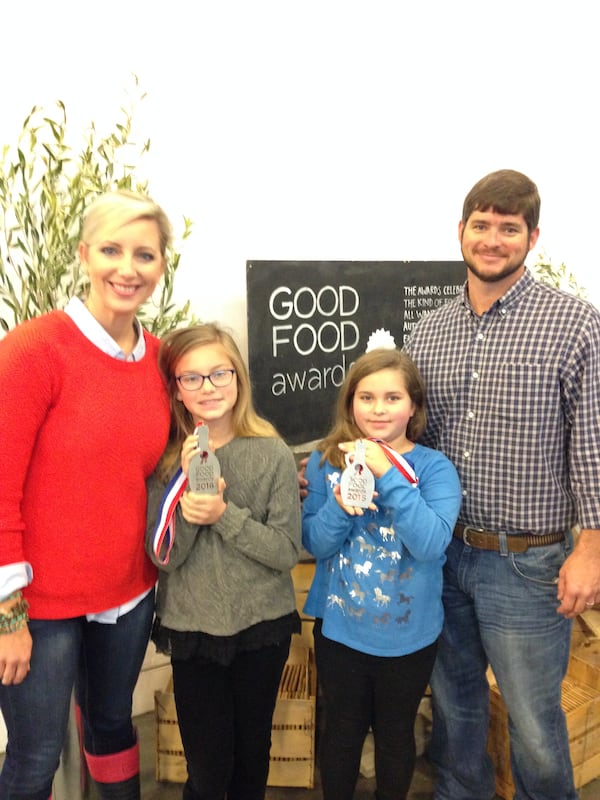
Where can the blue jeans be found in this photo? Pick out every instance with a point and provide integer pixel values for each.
(501, 609)
(103, 662)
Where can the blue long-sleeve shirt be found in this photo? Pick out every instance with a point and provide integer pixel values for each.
(378, 578)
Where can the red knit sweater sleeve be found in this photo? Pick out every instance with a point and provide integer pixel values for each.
(27, 388)
(82, 433)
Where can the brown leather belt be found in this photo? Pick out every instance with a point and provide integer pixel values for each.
(516, 542)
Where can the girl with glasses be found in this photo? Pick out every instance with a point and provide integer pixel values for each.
(226, 607)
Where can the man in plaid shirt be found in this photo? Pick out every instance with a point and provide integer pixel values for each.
(512, 368)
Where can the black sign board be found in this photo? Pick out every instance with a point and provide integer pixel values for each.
(309, 320)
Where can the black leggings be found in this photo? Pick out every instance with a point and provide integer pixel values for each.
(225, 715)
(360, 691)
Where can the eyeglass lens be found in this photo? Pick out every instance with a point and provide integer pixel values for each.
(219, 378)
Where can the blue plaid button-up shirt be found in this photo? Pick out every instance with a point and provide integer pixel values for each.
(513, 399)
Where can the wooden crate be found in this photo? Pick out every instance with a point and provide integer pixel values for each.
(584, 664)
(170, 760)
(292, 761)
(302, 576)
(581, 704)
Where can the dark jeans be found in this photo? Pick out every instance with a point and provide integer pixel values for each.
(361, 691)
(225, 715)
(104, 662)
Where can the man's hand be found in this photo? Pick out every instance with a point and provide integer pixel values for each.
(302, 482)
(579, 576)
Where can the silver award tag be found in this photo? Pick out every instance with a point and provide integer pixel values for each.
(357, 483)
(205, 470)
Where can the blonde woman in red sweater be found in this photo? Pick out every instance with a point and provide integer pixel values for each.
(84, 419)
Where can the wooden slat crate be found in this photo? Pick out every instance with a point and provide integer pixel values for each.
(584, 665)
(581, 704)
(302, 576)
(170, 760)
(292, 760)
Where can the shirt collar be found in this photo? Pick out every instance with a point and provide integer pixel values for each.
(510, 298)
(92, 330)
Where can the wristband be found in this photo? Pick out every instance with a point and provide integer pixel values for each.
(16, 618)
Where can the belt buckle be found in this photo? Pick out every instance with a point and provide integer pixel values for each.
(465, 533)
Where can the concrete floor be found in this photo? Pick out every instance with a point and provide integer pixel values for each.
(421, 789)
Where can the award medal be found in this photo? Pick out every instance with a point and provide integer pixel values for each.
(357, 483)
(163, 537)
(204, 471)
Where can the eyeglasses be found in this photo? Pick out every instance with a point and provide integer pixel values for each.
(193, 380)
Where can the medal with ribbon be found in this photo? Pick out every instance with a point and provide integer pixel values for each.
(401, 463)
(164, 532)
(204, 473)
(205, 470)
(357, 483)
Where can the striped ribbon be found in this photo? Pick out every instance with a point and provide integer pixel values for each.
(164, 532)
(402, 464)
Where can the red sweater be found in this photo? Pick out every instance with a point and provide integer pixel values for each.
(79, 434)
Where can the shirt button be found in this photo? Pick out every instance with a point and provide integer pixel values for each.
(470, 415)
(467, 454)
(475, 376)
(480, 336)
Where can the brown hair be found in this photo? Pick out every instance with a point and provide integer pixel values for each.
(505, 192)
(344, 428)
(246, 421)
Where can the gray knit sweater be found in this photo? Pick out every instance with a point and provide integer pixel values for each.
(225, 577)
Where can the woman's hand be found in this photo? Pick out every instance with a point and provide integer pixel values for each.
(15, 655)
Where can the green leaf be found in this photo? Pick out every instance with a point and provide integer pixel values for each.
(45, 187)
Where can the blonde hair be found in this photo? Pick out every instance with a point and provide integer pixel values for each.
(344, 428)
(112, 210)
(246, 421)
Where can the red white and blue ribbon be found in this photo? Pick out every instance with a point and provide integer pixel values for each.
(402, 464)
(163, 537)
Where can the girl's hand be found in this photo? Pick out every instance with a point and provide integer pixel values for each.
(189, 449)
(353, 511)
(203, 509)
(375, 457)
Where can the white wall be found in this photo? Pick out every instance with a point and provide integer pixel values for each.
(325, 129)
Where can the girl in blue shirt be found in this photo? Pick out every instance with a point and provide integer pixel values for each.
(377, 591)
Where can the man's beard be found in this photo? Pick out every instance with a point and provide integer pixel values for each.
(495, 277)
